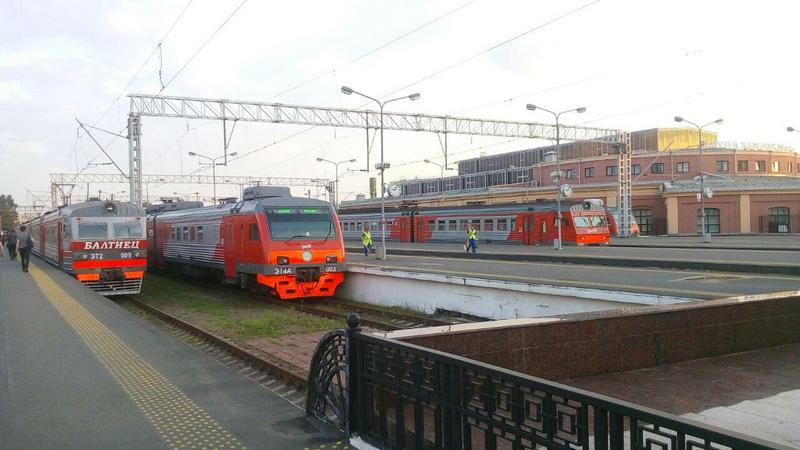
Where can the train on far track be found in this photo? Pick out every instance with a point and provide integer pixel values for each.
(582, 223)
(101, 243)
(290, 246)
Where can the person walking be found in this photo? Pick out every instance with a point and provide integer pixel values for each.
(366, 239)
(24, 245)
(11, 244)
(472, 239)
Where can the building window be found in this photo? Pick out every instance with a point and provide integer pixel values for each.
(657, 168)
(742, 165)
(588, 172)
(611, 170)
(722, 166)
(682, 167)
(644, 217)
(761, 166)
(776, 166)
(712, 221)
(778, 220)
(569, 174)
(636, 169)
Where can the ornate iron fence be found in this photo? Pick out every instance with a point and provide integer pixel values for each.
(402, 396)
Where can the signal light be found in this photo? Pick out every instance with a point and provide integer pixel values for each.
(88, 276)
(330, 259)
(283, 260)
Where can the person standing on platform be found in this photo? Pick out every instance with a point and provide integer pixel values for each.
(366, 239)
(11, 244)
(472, 239)
(24, 245)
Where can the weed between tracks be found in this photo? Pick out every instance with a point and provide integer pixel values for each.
(226, 311)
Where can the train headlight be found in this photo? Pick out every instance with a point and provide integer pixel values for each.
(283, 260)
(84, 256)
(330, 259)
(307, 256)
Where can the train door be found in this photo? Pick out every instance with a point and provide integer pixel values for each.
(543, 230)
(60, 243)
(405, 228)
(230, 247)
(412, 222)
(528, 229)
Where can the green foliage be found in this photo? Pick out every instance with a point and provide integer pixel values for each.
(8, 212)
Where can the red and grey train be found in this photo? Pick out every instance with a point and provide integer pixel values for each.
(102, 244)
(583, 223)
(291, 245)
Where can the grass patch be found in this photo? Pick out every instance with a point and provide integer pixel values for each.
(227, 311)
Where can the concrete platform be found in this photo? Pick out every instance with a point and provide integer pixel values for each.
(756, 392)
(695, 257)
(78, 371)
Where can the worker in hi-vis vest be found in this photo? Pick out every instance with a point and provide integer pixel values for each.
(472, 239)
(366, 239)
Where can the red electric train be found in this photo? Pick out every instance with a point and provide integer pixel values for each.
(290, 245)
(583, 223)
(101, 243)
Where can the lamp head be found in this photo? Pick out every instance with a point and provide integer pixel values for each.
(678, 119)
(233, 154)
(582, 109)
(428, 161)
(414, 96)
(718, 121)
(192, 154)
(319, 159)
(353, 160)
(530, 107)
(790, 129)
(346, 90)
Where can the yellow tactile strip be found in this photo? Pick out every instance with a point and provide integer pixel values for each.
(339, 445)
(179, 421)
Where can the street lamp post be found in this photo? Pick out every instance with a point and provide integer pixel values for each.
(790, 129)
(706, 236)
(214, 165)
(336, 165)
(442, 168)
(530, 107)
(383, 166)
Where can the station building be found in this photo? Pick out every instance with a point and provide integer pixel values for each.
(756, 186)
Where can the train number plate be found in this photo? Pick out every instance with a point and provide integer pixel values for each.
(330, 268)
(283, 271)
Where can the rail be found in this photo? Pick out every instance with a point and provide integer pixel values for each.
(395, 395)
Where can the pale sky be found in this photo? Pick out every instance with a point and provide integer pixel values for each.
(632, 64)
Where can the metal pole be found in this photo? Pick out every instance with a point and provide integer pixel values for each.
(706, 236)
(383, 195)
(336, 200)
(214, 178)
(441, 184)
(557, 246)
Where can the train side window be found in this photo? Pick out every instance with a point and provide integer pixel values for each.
(452, 225)
(502, 224)
(192, 234)
(199, 233)
(172, 234)
(254, 232)
(359, 226)
(185, 234)
(441, 225)
(431, 225)
(513, 223)
(476, 223)
(488, 225)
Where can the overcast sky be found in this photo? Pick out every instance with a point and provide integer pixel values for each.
(633, 64)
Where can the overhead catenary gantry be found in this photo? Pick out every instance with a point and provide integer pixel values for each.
(222, 109)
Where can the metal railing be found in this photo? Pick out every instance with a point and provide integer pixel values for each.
(395, 395)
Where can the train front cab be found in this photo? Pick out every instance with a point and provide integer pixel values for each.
(589, 227)
(304, 255)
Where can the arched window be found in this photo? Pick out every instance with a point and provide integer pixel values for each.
(644, 217)
(712, 221)
(778, 220)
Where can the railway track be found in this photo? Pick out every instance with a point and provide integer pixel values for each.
(278, 376)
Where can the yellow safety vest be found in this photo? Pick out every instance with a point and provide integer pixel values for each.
(366, 238)
(472, 234)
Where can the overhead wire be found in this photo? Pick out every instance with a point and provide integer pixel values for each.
(376, 49)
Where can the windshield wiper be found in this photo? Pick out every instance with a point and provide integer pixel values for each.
(330, 230)
(295, 237)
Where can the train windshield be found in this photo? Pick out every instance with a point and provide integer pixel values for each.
(129, 229)
(300, 223)
(589, 221)
(92, 230)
